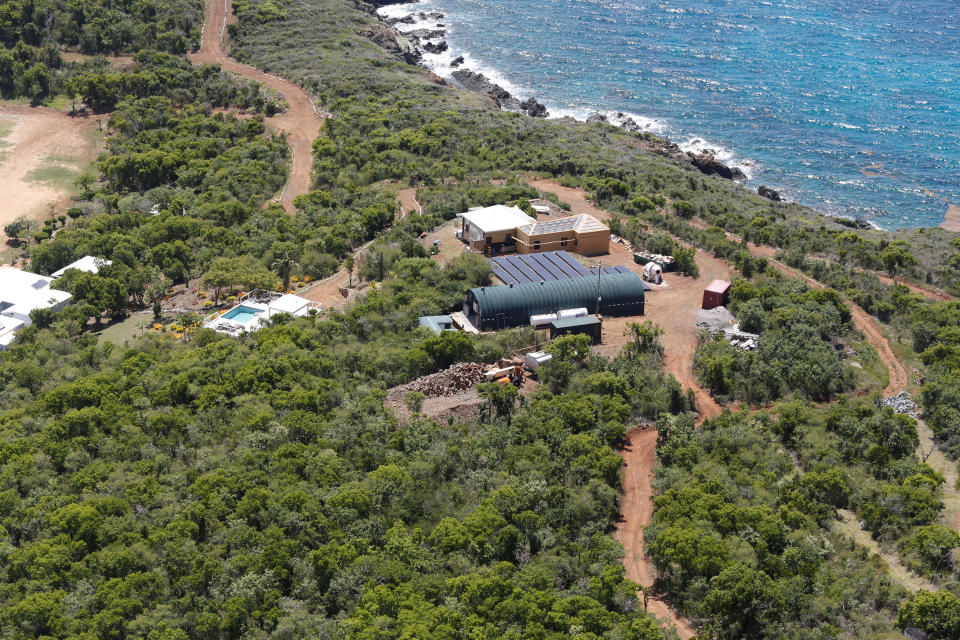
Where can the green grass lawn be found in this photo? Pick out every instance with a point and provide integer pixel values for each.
(55, 174)
(123, 332)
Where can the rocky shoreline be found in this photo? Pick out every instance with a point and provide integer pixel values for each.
(410, 46)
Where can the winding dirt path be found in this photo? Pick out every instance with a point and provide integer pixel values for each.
(673, 311)
(673, 308)
(639, 458)
(300, 121)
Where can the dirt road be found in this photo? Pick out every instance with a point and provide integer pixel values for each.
(639, 457)
(408, 202)
(43, 152)
(300, 121)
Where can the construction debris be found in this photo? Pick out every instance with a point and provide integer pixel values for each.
(902, 403)
(643, 257)
(742, 339)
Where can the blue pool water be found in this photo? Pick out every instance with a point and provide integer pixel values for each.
(242, 314)
(852, 107)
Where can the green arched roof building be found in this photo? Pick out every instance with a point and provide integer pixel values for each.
(621, 294)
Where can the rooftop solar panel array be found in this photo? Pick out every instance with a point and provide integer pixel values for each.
(550, 265)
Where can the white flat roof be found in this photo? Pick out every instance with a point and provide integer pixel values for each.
(496, 218)
(22, 291)
(89, 264)
(14, 280)
(288, 303)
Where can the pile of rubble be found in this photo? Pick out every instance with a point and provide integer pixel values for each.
(457, 378)
(715, 319)
(902, 403)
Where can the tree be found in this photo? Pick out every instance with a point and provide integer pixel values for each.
(685, 261)
(84, 180)
(414, 401)
(930, 548)
(646, 337)
(896, 256)
(349, 264)
(18, 228)
(502, 397)
(936, 613)
(449, 347)
(751, 316)
(155, 289)
(284, 265)
(244, 271)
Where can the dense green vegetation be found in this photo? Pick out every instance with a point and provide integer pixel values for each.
(796, 325)
(95, 26)
(742, 541)
(261, 488)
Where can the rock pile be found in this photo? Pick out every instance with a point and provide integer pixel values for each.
(902, 403)
(457, 378)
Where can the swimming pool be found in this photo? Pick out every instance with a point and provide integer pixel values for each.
(242, 314)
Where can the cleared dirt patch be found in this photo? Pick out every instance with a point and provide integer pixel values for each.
(41, 153)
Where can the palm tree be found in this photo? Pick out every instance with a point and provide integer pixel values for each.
(284, 267)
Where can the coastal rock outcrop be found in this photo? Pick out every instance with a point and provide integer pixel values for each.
(479, 83)
(707, 163)
(627, 123)
(533, 108)
(598, 117)
(425, 34)
(768, 193)
(440, 47)
(393, 42)
(457, 62)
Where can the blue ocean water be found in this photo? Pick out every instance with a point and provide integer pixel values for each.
(851, 107)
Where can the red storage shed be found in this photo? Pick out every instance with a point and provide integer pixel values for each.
(716, 294)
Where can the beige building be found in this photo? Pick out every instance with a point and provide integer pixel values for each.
(581, 234)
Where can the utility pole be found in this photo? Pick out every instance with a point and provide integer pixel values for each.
(599, 271)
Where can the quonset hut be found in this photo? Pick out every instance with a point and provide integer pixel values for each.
(621, 294)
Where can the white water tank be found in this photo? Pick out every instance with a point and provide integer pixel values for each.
(579, 312)
(543, 319)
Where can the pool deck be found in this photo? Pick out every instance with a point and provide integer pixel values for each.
(265, 304)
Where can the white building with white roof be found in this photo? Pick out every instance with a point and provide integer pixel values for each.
(20, 293)
(89, 264)
(492, 229)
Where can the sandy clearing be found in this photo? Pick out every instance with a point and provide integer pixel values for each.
(40, 138)
(301, 122)
(408, 202)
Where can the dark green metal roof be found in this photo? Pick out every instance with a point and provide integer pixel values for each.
(621, 294)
